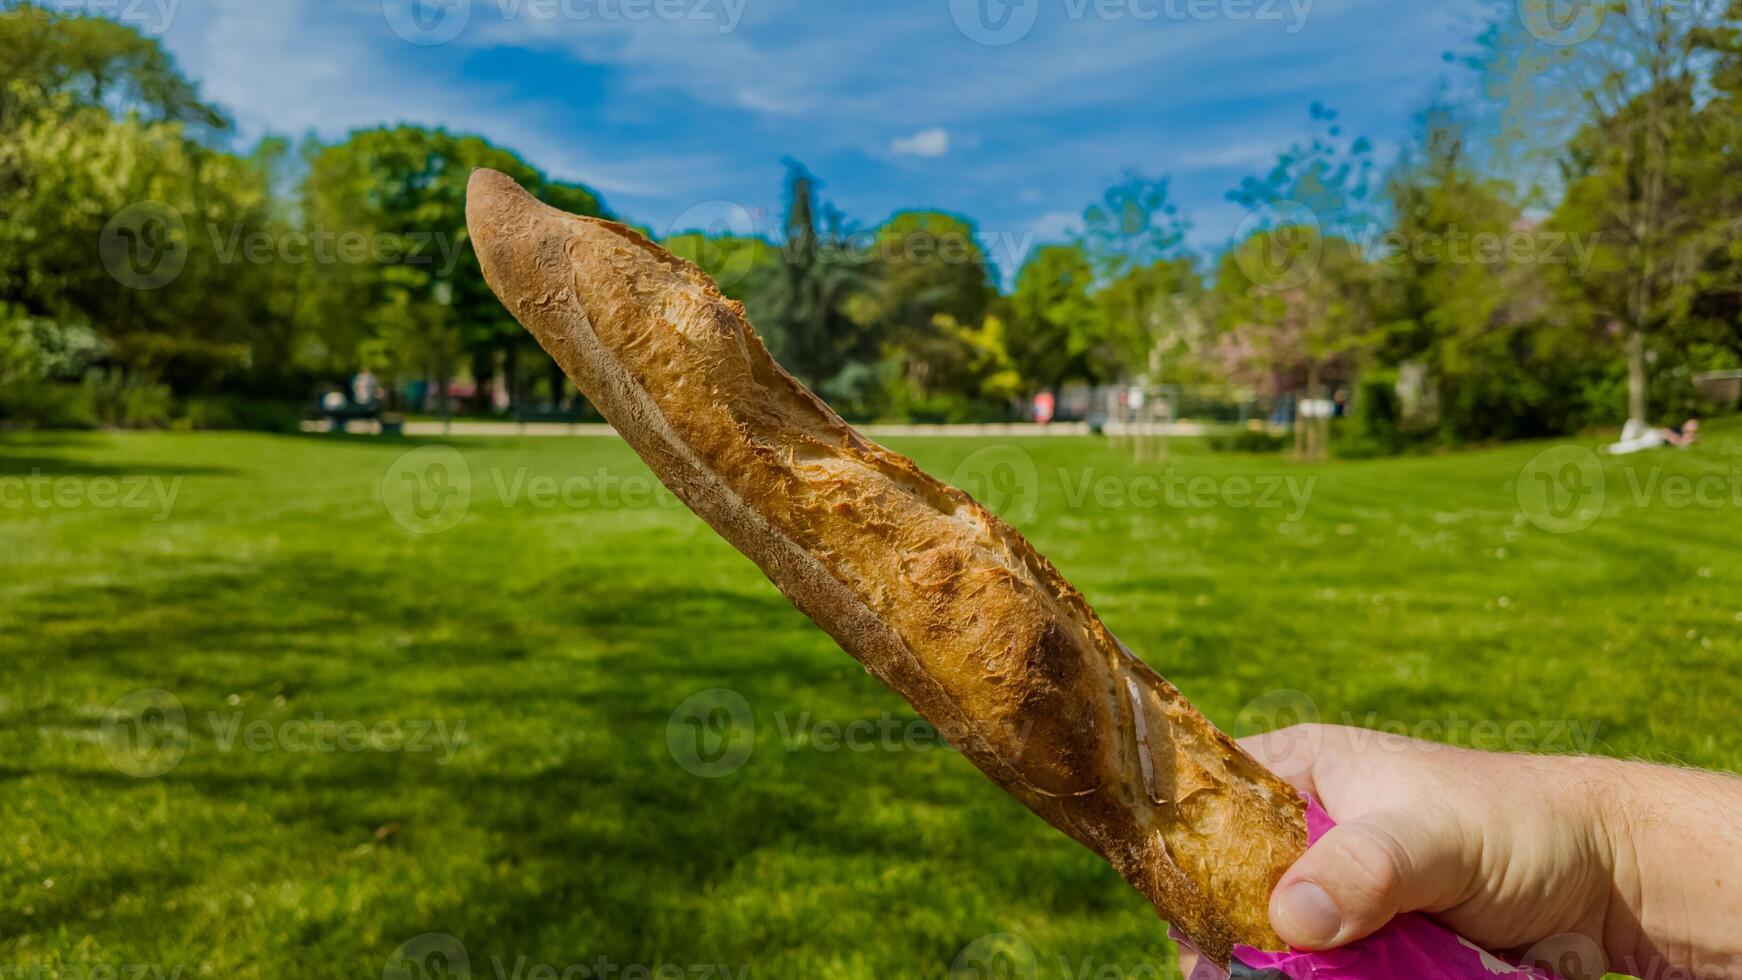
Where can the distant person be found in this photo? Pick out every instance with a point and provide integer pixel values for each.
(1044, 406)
(1682, 435)
(365, 390)
(1637, 437)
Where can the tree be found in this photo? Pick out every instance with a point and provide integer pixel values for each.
(101, 138)
(1297, 296)
(1330, 177)
(86, 179)
(1133, 226)
(806, 304)
(1636, 141)
(402, 191)
(1476, 323)
(72, 62)
(1155, 319)
(1294, 335)
(734, 262)
(1135, 241)
(934, 285)
(1058, 331)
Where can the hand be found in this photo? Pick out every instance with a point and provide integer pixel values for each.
(1512, 850)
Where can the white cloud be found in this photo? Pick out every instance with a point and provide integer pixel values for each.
(1055, 226)
(934, 142)
(297, 66)
(1231, 153)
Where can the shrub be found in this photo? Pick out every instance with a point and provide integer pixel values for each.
(122, 402)
(47, 406)
(1374, 425)
(1249, 440)
(236, 412)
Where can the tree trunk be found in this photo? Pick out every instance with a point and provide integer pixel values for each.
(555, 373)
(1636, 374)
(1299, 429)
(1310, 446)
(511, 379)
(483, 371)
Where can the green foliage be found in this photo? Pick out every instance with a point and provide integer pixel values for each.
(1247, 439)
(212, 281)
(46, 405)
(1330, 177)
(934, 286)
(816, 303)
(1057, 330)
(1133, 226)
(734, 262)
(85, 178)
(35, 349)
(52, 62)
(296, 266)
(238, 412)
(1291, 324)
(1157, 320)
(1375, 425)
(121, 401)
(417, 301)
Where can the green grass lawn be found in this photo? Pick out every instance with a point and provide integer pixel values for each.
(390, 734)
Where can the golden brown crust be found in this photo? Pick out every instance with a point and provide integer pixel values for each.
(935, 596)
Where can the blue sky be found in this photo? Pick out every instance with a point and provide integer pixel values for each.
(668, 105)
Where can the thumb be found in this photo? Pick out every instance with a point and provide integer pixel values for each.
(1365, 872)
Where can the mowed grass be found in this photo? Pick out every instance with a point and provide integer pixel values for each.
(552, 641)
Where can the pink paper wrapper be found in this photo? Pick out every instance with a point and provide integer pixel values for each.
(1412, 946)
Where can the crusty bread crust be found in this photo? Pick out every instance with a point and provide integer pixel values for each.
(935, 596)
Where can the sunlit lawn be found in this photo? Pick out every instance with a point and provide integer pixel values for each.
(304, 827)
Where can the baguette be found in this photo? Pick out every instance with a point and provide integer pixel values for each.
(936, 597)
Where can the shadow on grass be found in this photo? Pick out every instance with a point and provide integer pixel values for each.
(59, 466)
(567, 781)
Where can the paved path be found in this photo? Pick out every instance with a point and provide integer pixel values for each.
(1019, 430)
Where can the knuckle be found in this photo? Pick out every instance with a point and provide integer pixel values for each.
(1370, 864)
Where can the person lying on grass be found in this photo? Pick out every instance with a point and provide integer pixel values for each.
(1639, 861)
(1683, 435)
(1636, 437)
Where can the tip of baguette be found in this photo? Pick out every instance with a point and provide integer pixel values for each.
(524, 245)
(500, 213)
(492, 193)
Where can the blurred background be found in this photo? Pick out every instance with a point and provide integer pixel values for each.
(1344, 353)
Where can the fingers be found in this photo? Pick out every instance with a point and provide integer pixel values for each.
(1379, 862)
(1365, 872)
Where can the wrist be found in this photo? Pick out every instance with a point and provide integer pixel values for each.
(1602, 794)
(1667, 846)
